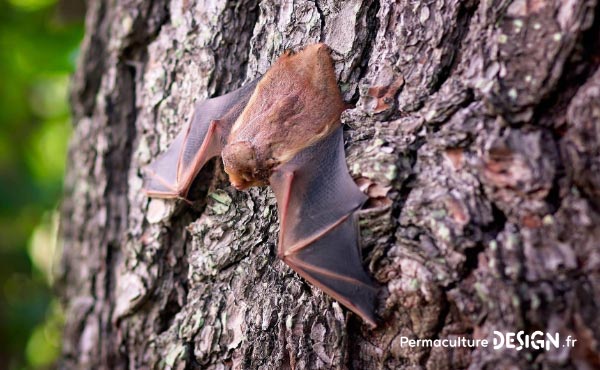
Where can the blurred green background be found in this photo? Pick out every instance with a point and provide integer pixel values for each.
(39, 41)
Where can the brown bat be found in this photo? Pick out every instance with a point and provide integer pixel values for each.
(284, 130)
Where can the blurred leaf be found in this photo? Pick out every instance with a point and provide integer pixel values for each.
(48, 152)
(42, 245)
(32, 4)
(48, 96)
(43, 346)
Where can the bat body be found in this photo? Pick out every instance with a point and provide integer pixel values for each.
(284, 130)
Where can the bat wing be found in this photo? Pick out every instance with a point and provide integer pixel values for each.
(318, 237)
(171, 174)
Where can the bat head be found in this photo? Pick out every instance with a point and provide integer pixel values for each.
(239, 159)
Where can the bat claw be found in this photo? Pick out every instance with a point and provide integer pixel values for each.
(189, 202)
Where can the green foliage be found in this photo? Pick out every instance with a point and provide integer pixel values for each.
(37, 55)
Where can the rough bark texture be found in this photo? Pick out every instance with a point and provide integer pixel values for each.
(482, 118)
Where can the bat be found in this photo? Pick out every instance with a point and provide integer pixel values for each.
(284, 130)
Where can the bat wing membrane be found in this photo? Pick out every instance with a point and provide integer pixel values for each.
(171, 174)
(317, 201)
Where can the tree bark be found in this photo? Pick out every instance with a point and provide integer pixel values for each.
(475, 131)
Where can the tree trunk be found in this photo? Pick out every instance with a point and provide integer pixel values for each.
(475, 131)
